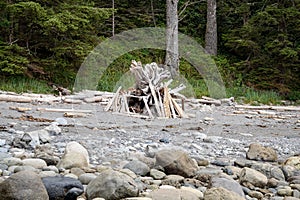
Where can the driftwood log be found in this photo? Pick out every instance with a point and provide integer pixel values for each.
(150, 96)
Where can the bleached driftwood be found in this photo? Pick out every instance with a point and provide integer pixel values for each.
(113, 100)
(15, 98)
(283, 108)
(93, 99)
(72, 101)
(20, 109)
(62, 110)
(210, 102)
(74, 114)
(150, 91)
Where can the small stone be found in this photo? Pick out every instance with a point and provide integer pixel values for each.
(63, 187)
(71, 176)
(77, 171)
(253, 177)
(61, 121)
(259, 152)
(174, 194)
(227, 183)
(75, 156)
(295, 186)
(272, 182)
(112, 184)
(221, 193)
(53, 129)
(25, 168)
(256, 194)
(51, 168)
(290, 198)
(2, 142)
(293, 161)
(44, 174)
(164, 140)
(219, 163)
(46, 153)
(176, 161)
(138, 167)
(3, 167)
(167, 187)
(296, 194)
(129, 173)
(31, 138)
(173, 180)
(35, 162)
(269, 170)
(285, 191)
(12, 161)
(198, 193)
(156, 174)
(202, 162)
(289, 171)
(86, 178)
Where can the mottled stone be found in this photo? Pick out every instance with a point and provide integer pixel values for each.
(259, 152)
(23, 185)
(253, 177)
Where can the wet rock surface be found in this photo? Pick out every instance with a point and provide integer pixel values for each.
(221, 152)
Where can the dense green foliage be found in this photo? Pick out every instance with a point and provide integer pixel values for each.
(258, 41)
(48, 40)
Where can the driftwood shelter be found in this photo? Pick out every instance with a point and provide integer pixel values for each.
(151, 96)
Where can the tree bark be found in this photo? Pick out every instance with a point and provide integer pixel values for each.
(113, 18)
(211, 28)
(172, 55)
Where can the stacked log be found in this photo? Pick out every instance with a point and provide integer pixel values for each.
(151, 96)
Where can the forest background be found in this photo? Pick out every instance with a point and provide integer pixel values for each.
(44, 42)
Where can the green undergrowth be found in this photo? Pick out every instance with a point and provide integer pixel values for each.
(118, 74)
(21, 84)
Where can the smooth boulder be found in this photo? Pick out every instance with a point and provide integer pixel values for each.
(253, 177)
(23, 185)
(176, 161)
(75, 156)
(63, 188)
(112, 185)
(261, 153)
(138, 167)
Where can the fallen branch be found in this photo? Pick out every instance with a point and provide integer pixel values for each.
(112, 101)
(62, 110)
(14, 98)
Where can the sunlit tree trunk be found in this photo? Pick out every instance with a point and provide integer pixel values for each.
(172, 55)
(211, 28)
(113, 18)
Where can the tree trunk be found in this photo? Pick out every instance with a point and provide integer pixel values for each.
(113, 18)
(211, 28)
(172, 55)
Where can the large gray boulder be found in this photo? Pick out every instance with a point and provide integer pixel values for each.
(75, 156)
(63, 188)
(23, 185)
(176, 161)
(112, 185)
